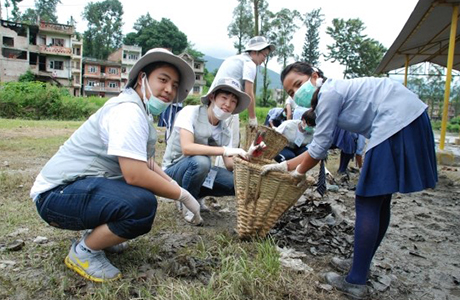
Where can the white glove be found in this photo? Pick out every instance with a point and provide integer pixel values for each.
(281, 167)
(191, 204)
(235, 151)
(297, 174)
(253, 122)
(303, 177)
(257, 148)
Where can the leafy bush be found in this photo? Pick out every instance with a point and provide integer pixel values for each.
(28, 76)
(261, 114)
(38, 100)
(192, 100)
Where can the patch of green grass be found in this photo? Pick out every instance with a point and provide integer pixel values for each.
(21, 123)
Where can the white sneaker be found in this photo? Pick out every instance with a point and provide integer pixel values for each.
(93, 266)
(203, 206)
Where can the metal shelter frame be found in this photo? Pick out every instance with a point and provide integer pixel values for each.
(429, 35)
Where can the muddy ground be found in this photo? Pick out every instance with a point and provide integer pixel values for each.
(418, 259)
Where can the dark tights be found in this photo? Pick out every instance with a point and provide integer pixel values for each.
(344, 160)
(371, 224)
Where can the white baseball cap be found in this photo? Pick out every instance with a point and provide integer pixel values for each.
(233, 86)
(258, 43)
(187, 76)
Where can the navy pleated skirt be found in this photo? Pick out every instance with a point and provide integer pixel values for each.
(404, 163)
(344, 140)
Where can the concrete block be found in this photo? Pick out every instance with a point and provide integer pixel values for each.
(446, 157)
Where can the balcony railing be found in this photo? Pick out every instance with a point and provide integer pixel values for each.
(54, 27)
(101, 89)
(55, 50)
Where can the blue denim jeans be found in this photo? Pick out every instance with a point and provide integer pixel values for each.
(87, 203)
(191, 171)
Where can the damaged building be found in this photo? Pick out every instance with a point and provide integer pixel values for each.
(51, 51)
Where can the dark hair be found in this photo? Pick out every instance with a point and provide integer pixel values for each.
(305, 68)
(302, 68)
(222, 91)
(310, 117)
(148, 69)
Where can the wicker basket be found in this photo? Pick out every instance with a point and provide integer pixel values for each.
(274, 140)
(261, 200)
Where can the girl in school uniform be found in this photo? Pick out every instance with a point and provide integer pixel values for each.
(400, 155)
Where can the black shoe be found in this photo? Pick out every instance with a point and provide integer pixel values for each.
(355, 291)
(342, 265)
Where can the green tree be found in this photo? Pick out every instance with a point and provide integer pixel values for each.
(15, 14)
(266, 30)
(242, 25)
(104, 34)
(285, 25)
(193, 52)
(150, 33)
(46, 10)
(29, 16)
(312, 21)
(359, 54)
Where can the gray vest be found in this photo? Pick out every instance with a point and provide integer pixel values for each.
(84, 153)
(202, 135)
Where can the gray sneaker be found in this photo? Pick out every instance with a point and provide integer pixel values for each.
(93, 266)
(355, 291)
(342, 265)
(112, 249)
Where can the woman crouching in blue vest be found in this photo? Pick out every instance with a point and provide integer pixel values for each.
(200, 132)
(104, 178)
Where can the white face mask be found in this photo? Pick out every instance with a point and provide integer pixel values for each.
(219, 113)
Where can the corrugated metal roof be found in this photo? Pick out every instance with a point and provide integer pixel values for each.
(424, 38)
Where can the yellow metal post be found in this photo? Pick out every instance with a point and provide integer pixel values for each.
(450, 62)
(406, 70)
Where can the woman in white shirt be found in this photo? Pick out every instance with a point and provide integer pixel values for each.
(200, 132)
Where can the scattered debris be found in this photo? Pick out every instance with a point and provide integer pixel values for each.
(40, 240)
(15, 246)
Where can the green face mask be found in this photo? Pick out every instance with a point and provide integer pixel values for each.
(303, 95)
(308, 129)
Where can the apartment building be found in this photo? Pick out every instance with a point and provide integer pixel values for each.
(101, 78)
(198, 67)
(51, 51)
(126, 56)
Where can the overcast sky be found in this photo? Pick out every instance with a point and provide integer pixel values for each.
(205, 22)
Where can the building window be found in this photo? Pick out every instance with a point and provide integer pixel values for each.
(197, 77)
(197, 66)
(113, 84)
(123, 70)
(76, 51)
(56, 65)
(8, 41)
(92, 69)
(113, 71)
(91, 83)
(57, 42)
(196, 89)
(133, 56)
